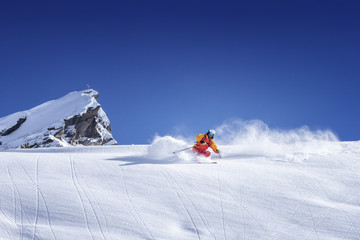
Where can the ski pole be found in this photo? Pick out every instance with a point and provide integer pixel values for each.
(182, 150)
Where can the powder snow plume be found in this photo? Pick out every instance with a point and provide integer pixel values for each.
(256, 138)
(162, 148)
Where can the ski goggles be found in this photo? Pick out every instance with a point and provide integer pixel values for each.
(211, 135)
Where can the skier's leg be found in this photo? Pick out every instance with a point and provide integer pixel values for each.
(206, 153)
(196, 150)
(201, 152)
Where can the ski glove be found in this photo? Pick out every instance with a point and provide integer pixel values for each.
(217, 151)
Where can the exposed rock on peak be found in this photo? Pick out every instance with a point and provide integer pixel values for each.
(8, 131)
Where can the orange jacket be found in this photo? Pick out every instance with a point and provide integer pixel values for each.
(208, 142)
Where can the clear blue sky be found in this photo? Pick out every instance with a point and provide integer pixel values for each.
(172, 67)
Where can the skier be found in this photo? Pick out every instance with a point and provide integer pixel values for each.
(203, 141)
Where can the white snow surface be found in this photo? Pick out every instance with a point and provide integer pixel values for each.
(303, 185)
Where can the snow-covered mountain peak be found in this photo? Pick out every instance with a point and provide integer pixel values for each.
(74, 119)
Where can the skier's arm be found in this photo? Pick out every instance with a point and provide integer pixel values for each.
(214, 147)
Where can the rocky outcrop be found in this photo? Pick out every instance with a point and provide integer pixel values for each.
(8, 131)
(85, 129)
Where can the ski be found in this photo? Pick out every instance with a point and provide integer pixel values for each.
(206, 162)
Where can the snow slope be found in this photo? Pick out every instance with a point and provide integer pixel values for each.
(297, 190)
(43, 123)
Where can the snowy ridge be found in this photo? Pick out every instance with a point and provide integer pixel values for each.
(295, 191)
(45, 125)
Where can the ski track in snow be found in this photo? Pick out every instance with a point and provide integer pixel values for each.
(39, 191)
(115, 194)
(338, 203)
(311, 214)
(186, 193)
(4, 218)
(92, 208)
(77, 188)
(221, 201)
(134, 208)
(351, 223)
(37, 195)
(17, 197)
(125, 205)
(172, 184)
(323, 214)
(251, 215)
(300, 204)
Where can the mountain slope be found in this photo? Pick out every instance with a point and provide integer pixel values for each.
(146, 192)
(76, 118)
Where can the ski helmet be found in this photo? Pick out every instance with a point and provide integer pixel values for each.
(211, 133)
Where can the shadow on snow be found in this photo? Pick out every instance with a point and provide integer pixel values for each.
(136, 160)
